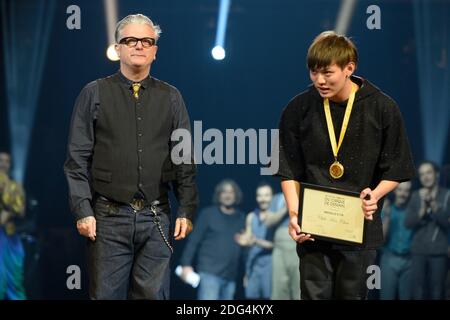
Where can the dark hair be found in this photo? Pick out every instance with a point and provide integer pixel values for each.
(220, 186)
(433, 164)
(264, 184)
(330, 47)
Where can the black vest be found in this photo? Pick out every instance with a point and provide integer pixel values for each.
(132, 139)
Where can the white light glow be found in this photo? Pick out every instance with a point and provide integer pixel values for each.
(218, 53)
(111, 53)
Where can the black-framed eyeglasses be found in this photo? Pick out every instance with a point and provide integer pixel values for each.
(131, 42)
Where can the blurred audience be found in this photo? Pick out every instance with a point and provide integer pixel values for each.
(12, 254)
(428, 215)
(395, 260)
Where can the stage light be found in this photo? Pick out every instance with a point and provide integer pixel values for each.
(24, 65)
(111, 53)
(345, 15)
(432, 57)
(111, 8)
(218, 53)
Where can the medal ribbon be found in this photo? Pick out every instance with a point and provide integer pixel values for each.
(348, 111)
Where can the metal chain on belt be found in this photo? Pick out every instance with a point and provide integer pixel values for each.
(157, 220)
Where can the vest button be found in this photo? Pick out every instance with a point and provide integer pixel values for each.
(139, 118)
(140, 167)
(140, 134)
(140, 185)
(140, 150)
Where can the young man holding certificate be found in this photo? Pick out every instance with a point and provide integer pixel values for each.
(368, 158)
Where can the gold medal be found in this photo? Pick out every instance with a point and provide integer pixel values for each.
(336, 170)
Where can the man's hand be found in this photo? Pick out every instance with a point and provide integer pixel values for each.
(244, 239)
(87, 227)
(241, 239)
(186, 270)
(428, 200)
(369, 206)
(183, 226)
(434, 206)
(424, 194)
(295, 232)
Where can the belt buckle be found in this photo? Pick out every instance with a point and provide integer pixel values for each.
(137, 204)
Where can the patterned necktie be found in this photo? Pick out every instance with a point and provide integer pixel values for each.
(136, 86)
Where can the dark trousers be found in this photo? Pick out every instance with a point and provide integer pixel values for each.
(328, 273)
(429, 273)
(128, 259)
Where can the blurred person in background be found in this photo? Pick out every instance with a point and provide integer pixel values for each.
(285, 263)
(258, 237)
(395, 262)
(428, 215)
(212, 243)
(12, 253)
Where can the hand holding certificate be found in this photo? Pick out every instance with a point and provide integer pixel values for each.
(331, 214)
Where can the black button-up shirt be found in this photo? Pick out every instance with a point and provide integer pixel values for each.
(375, 146)
(82, 139)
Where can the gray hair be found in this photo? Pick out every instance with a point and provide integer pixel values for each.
(219, 189)
(138, 19)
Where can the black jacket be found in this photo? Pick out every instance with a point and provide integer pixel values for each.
(375, 146)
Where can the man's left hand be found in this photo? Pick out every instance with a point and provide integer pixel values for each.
(183, 226)
(369, 206)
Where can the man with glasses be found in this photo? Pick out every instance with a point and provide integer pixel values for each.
(119, 171)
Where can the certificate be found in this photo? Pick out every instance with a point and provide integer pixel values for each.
(331, 214)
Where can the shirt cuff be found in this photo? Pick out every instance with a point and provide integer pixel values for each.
(187, 213)
(83, 210)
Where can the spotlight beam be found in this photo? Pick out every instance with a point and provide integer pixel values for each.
(218, 52)
(110, 7)
(24, 62)
(344, 17)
